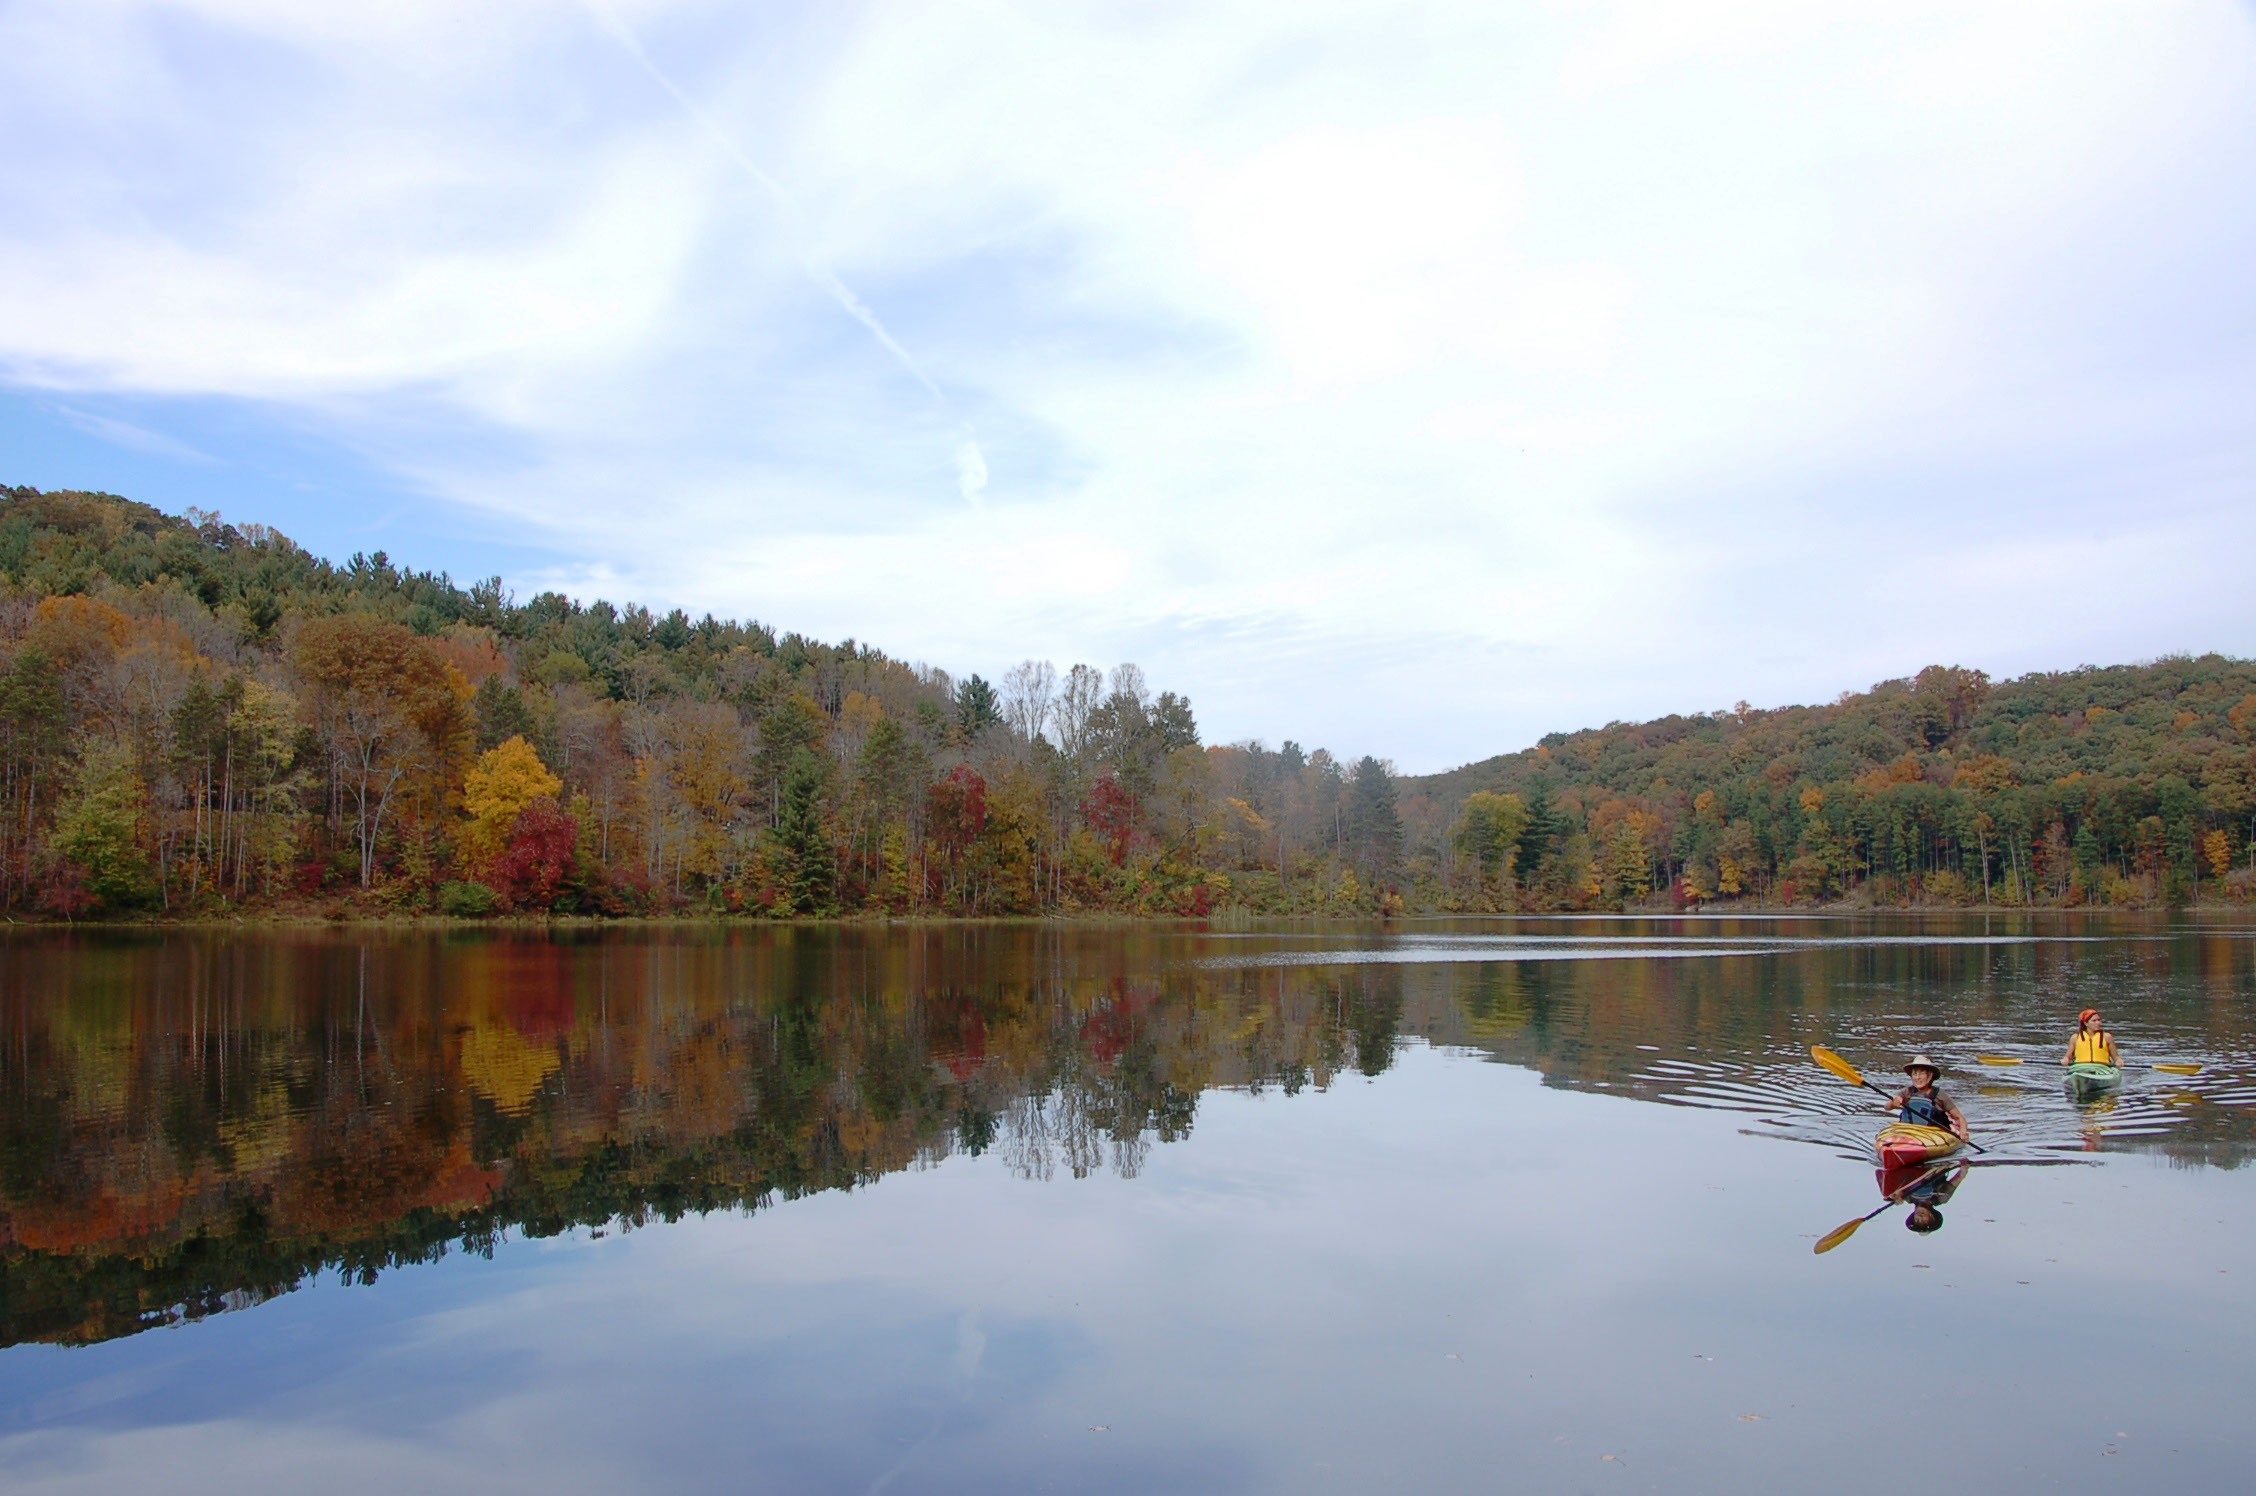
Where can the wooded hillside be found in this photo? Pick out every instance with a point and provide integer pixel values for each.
(197, 717)
(2127, 784)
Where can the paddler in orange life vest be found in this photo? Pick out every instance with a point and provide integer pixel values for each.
(1921, 1104)
(2092, 1045)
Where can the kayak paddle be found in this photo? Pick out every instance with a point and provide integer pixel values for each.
(1847, 1229)
(1999, 1059)
(1850, 1073)
(1842, 1068)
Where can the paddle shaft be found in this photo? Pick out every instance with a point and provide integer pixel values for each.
(2000, 1061)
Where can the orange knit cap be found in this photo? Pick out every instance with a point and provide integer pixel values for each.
(2086, 1016)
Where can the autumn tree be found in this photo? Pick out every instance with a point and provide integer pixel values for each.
(1488, 831)
(388, 709)
(533, 868)
(500, 785)
(99, 861)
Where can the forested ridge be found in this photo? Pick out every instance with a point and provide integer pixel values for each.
(199, 718)
(2128, 784)
(196, 717)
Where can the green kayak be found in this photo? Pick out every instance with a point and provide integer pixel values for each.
(2094, 1077)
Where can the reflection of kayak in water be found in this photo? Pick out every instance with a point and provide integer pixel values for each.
(2087, 1079)
(1923, 1187)
(1907, 1144)
(1903, 1181)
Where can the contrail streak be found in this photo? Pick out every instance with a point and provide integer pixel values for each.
(820, 274)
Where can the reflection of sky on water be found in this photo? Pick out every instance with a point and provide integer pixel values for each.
(1425, 949)
(1450, 1277)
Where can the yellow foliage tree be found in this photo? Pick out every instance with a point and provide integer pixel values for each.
(2217, 847)
(496, 791)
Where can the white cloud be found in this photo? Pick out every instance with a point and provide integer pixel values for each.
(129, 436)
(1417, 379)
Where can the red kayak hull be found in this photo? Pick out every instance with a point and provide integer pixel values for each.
(1905, 1145)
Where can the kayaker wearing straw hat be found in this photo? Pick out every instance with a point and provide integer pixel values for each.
(1921, 1104)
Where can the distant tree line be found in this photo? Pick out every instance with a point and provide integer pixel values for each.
(198, 717)
(2128, 785)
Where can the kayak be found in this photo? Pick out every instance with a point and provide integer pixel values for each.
(1907, 1143)
(2094, 1077)
(1895, 1179)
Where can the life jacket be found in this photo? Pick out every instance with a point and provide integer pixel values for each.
(2092, 1049)
(1925, 1111)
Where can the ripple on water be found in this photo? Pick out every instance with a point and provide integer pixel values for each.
(2020, 1114)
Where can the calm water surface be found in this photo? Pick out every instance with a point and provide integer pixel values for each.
(1473, 1205)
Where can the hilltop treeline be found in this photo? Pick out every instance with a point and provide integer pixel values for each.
(2131, 784)
(197, 716)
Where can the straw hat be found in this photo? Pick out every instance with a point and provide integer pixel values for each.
(1921, 1062)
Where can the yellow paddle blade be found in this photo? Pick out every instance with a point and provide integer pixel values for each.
(1995, 1059)
(1839, 1234)
(1836, 1064)
(2179, 1069)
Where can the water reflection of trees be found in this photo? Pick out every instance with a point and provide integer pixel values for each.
(191, 1123)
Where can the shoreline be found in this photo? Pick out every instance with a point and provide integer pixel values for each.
(1226, 917)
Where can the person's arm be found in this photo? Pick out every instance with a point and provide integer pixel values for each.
(2068, 1055)
(1957, 1118)
(2114, 1055)
(1896, 1102)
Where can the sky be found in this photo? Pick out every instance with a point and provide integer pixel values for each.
(1409, 379)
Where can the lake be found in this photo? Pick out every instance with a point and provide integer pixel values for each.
(1470, 1205)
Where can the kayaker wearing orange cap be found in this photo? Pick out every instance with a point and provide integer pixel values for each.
(1921, 1104)
(2092, 1045)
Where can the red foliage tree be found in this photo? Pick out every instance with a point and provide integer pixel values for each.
(956, 810)
(64, 891)
(1110, 812)
(532, 869)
